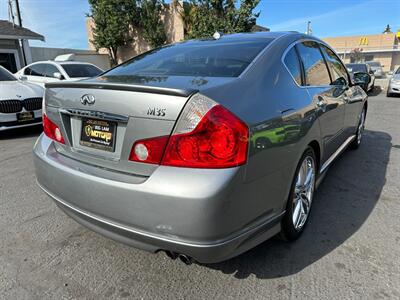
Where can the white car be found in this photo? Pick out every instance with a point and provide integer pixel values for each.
(53, 71)
(20, 102)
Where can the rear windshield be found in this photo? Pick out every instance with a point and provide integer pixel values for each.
(354, 68)
(208, 58)
(83, 70)
(374, 63)
(6, 76)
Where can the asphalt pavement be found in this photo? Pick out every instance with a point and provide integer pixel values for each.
(350, 249)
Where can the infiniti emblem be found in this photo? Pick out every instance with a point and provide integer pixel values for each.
(88, 99)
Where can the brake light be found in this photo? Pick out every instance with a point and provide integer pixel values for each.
(219, 141)
(207, 135)
(52, 130)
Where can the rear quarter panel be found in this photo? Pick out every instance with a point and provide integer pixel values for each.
(282, 119)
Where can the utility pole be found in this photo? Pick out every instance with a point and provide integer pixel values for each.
(11, 12)
(22, 42)
(18, 13)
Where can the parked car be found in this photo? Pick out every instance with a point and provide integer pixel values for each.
(363, 69)
(158, 153)
(20, 102)
(53, 71)
(376, 67)
(394, 84)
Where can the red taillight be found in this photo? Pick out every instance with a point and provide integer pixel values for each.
(52, 130)
(207, 135)
(219, 141)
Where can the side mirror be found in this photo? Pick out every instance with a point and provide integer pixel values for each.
(372, 72)
(361, 78)
(22, 78)
(58, 76)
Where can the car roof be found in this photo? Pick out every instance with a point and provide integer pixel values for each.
(242, 36)
(59, 63)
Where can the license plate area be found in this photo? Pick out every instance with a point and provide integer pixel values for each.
(25, 116)
(98, 134)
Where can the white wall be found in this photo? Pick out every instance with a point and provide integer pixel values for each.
(100, 60)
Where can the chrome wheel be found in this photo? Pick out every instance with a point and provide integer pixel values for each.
(361, 127)
(303, 192)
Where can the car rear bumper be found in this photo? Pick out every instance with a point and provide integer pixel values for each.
(190, 211)
(9, 120)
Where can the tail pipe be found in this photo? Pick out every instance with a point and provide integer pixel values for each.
(187, 260)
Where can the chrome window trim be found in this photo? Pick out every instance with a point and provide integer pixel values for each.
(287, 69)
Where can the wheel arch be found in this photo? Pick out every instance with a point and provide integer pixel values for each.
(314, 144)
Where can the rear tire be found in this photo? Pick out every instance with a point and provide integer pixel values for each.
(299, 203)
(355, 144)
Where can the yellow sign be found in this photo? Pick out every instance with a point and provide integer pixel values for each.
(90, 132)
(363, 41)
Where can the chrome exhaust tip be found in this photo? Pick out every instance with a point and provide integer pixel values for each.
(187, 260)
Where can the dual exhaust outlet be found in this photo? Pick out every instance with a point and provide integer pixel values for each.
(187, 260)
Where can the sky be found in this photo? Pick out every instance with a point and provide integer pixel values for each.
(62, 22)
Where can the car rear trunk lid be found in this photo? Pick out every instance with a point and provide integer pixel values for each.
(101, 122)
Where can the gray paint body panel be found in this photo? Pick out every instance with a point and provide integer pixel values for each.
(194, 211)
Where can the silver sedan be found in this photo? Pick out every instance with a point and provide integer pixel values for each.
(394, 84)
(201, 149)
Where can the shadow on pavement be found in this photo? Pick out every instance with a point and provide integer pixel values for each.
(24, 132)
(343, 202)
(376, 91)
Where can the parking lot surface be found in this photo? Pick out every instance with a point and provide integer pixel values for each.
(350, 249)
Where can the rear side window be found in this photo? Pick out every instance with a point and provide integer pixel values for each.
(37, 70)
(293, 64)
(316, 71)
(50, 70)
(354, 68)
(207, 58)
(81, 70)
(338, 71)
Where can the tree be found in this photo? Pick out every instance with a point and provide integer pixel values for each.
(356, 55)
(208, 16)
(151, 22)
(113, 20)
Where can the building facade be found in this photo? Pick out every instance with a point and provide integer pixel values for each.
(15, 52)
(374, 47)
(173, 25)
(174, 29)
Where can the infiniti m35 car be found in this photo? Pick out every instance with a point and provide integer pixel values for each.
(201, 149)
(20, 102)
